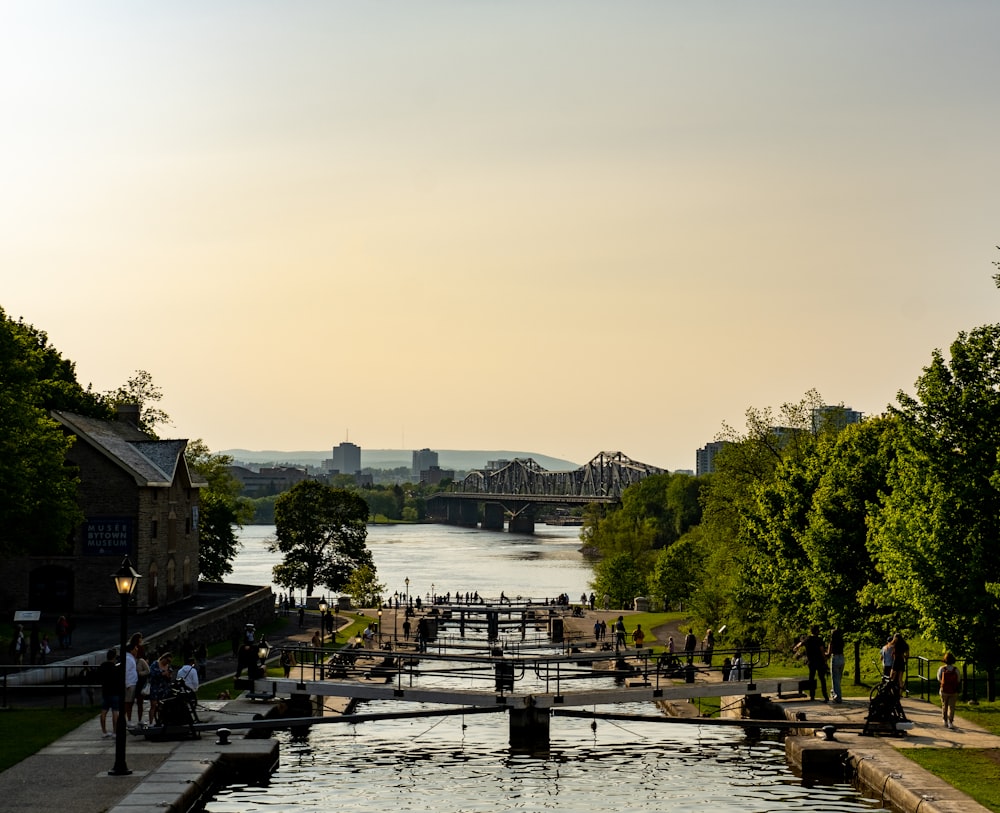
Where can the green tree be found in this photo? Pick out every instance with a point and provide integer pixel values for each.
(936, 543)
(38, 508)
(677, 570)
(141, 391)
(321, 532)
(618, 579)
(222, 511)
(363, 588)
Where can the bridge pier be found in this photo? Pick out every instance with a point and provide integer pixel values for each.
(492, 516)
(529, 730)
(468, 513)
(522, 521)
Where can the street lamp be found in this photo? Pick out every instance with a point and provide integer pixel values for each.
(432, 593)
(407, 582)
(322, 621)
(125, 581)
(380, 627)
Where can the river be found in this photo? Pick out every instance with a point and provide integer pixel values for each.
(464, 763)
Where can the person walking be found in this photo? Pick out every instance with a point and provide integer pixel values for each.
(108, 675)
(950, 681)
(690, 642)
(708, 645)
(837, 660)
(815, 660)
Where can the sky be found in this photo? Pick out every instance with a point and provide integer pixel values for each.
(560, 227)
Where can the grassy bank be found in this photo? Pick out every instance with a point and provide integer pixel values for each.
(24, 732)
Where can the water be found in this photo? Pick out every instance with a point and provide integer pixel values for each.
(464, 763)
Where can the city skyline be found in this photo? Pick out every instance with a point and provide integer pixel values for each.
(564, 227)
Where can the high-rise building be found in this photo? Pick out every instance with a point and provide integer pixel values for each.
(835, 417)
(423, 460)
(346, 458)
(705, 457)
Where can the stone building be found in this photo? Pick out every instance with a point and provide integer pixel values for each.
(138, 498)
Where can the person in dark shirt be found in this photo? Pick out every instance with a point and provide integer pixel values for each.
(816, 660)
(109, 675)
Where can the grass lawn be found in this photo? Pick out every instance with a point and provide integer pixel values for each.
(24, 732)
(975, 772)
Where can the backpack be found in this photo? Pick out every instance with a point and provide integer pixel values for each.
(949, 680)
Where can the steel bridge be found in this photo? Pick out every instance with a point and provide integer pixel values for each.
(513, 490)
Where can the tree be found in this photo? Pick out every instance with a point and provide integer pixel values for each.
(141, 391)
(619, 579)
(222, 510)
(321, 531)
(38, 508)
(363, 588)
(677, 570)
(936, 540)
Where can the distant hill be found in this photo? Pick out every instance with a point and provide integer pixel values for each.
(459, 460)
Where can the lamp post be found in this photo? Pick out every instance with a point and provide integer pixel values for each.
(322, 621)
(380, 627)
(406, 581)
(125, 581)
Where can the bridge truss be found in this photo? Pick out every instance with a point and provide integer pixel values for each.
(605, 476)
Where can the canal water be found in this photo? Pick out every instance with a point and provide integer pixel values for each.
(463, 763)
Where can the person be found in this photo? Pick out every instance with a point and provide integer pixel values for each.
(287, 661)
(189, 674)
(131, 678)
(949, 680)
(736, 667)
(708, 644)
(837, 660)
(44, 649)
(816, 661)
(159, 683)
(900, 655)
(597, 629)
(422, 634)
(317, 645)
(886, 655)
(369, 636)
(638, 636)
(690, 642)
(302, 617)
(604, 630)
(86, 679)
(406, 629)
(62, 632)
(17, 644)
(142, 684)
(108, 675)
(620, 633)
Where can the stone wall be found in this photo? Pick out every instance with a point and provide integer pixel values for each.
(219, 624)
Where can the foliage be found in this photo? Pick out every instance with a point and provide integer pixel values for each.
(222, 511)
(363, 588)
(677, 570)
(936, 535)
(653, 514)
(618, 579)
(38, 509)
(321, 532)
(141, 391)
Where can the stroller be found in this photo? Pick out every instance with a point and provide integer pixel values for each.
(177, 713)
(885, 712)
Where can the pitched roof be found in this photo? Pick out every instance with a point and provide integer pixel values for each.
(150, 462)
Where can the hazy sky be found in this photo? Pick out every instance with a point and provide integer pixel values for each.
(562, 227)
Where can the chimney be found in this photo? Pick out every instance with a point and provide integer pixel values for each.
(128, 413)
